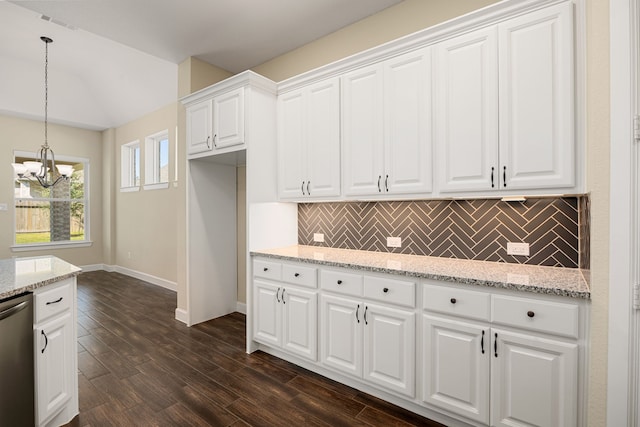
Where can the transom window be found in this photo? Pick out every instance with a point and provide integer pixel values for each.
(156, 164)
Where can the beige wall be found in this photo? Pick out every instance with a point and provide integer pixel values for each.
(145, 221)
(404, 18)
(27, 135)
(598, 112)
(194, 74)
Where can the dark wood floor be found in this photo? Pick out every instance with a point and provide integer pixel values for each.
(138, 366)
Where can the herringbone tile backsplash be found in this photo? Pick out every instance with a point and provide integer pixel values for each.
(468, 229)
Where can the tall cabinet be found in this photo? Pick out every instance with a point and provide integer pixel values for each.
(240, 115)
(504, 105)
(309, 141)
(386, 127)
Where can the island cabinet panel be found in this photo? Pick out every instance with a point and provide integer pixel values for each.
(55, 335)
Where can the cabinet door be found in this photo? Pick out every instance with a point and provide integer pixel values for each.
(536, 99)
(533, 381)
(362, 132)
(456, 367)
(291, 150)
(322, 133)
(389, 348)
(228, 119)
(54, 372)
(466, 111)
(299, 309)
(341, 334)
(199, 127)
(407, 124)
(267, 313)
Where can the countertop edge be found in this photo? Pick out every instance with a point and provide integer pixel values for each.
(447, 278)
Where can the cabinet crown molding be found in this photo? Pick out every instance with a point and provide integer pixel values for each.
(489, 15)
(245, 78)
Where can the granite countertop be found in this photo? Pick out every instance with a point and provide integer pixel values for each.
(569, 282)
(19, 275)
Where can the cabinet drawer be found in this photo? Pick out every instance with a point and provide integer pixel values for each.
(341, 282)
(544, 316)
(458, 302)
(300, 275)
(52, 301)
(267, 269)
(392, 291)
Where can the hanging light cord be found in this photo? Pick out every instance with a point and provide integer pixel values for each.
(46, 86)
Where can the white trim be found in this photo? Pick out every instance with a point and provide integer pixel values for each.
(241, 308)
(157, 186)
(172, 286)
(182, 316)
(622, 112)
(67, 244)
(129, 189)
(92, 267)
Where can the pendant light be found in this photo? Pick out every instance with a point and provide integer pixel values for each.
(44, 168)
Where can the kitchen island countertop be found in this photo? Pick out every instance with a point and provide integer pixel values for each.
(569, 282)
(19, 275)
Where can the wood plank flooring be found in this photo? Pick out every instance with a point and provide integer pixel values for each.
(138, 366)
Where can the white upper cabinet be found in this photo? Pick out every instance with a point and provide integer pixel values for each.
(504, 105)
(199, 127)
(228, 119)
(466, 111)
(536, 99)
(386, 125)
(309, 141)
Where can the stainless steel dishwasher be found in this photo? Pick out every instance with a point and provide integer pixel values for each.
(16, 362)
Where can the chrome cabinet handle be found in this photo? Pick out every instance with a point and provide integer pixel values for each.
(302, 188)
(379, 178)
(278, 294)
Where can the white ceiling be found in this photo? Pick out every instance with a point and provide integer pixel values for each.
(113, 61)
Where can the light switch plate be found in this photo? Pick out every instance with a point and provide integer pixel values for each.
(520, 249)
(3, 206)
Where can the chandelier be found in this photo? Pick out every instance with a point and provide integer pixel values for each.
(44, 168)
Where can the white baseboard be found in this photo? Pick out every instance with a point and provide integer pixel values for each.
(148, 278)
(241, 307)
(182, 316)
(172, 286)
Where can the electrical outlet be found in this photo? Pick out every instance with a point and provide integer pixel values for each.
(520, 249)
(318, 237)
(129, 255)
(394, 242)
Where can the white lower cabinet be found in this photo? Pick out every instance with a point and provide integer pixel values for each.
(533, 381)
(56, 353)
(456, 366)
(284, 315)
(475, 356)
(370, 341)
(495, 375)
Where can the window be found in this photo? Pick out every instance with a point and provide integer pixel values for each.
(52, 216)
(130, 166)
(156, 164)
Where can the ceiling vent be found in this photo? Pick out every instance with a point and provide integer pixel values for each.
(55, 21)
